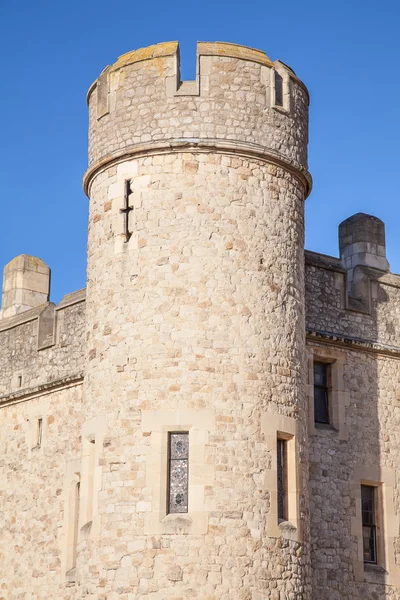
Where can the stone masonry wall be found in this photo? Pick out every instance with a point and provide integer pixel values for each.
(32, 494)
(141, 102)
(195, 322)
(373, 416)
(32, 479)
(328, 307)
(371, 380)
(188, 317)
(61, 358)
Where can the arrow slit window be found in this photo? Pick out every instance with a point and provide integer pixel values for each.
(178, 472)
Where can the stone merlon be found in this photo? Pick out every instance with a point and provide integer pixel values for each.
(26, 284)
(362, 243)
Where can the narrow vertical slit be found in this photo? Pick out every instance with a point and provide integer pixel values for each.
(278, 89)
(39, 433)
(92, 453)
(76, 522)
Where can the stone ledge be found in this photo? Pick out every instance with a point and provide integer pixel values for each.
(21, 318)
(40, 390)
(323, 261)
(350, 342)
(217, 145)
(72, 298)
(34, 313)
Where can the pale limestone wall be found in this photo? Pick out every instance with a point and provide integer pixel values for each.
(367, 446)
(373, 418)
(41, 372)
(140, 101)
(197, 324)
(200, 311)
(32, 484)
(329, 309)
(198, 320)
(42, 346)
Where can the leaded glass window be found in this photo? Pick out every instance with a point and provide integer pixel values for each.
(178, 472)
(281, 448)
(368, 509)
(321, 393)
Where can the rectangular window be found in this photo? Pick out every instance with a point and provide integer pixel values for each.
(282, 471)
(278, 89)
(73, 522)
(321, 392)
(39, 433)
(368, 509)
(178, 472)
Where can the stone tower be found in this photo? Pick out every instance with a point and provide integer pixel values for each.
(195, 326)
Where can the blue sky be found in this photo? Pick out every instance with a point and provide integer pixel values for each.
(347, 52)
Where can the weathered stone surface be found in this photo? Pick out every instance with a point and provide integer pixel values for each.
(197, 323)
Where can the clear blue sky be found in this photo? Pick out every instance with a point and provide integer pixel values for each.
(347, 52)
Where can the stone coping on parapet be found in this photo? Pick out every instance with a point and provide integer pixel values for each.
(323, 261)
(72, 298)
(222, 49)
(204, 145)
(33, 313)
(352, 343)
(41, 390)
(332, 263)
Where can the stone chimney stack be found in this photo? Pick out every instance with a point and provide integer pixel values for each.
(26, 284)
(362, 243)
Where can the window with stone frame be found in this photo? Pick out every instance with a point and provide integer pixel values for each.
(39, 432)
(178, 472)
(278, 89)
(369, 523)
(322, 378)
(282, 483)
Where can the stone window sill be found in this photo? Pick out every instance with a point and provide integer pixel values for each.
(177, 523)
(375, 569)
(288, 530)
(324, 428)
(70, 577)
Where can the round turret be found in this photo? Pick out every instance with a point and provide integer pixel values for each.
(195, 328)
(140, 103)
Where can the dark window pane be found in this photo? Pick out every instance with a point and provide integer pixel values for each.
(368, 510)
(278, 89)
(178, 472)
(321, 393)
(282, 479)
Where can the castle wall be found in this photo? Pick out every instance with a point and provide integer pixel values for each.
(41, 372)
(197, 339)
(41, 346)
(201, 317)
(141, 100)
(32, 493)
(196, 323)
(366, 446)
(374, 318)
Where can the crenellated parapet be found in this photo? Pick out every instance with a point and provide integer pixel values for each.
(355, 297)
(240, 103)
